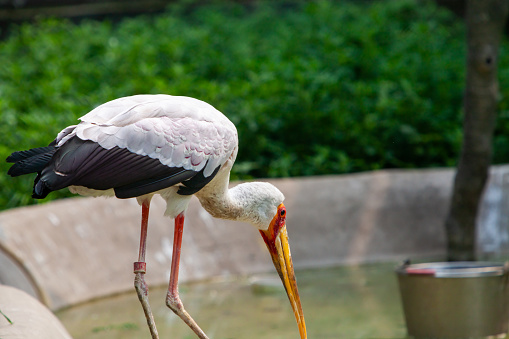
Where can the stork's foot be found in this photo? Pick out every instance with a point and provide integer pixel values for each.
(142, 290)
(175, 304)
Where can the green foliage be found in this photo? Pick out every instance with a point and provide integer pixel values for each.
(314, 88)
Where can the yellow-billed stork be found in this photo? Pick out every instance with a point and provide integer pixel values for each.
(173, 146)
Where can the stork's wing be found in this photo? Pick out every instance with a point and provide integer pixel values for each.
(85, 163)
(178, 131)
(137, 145)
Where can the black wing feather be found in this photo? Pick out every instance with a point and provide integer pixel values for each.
(196, 183)
(86, 163)
(151, 185)
(30, 161)
(22, 155)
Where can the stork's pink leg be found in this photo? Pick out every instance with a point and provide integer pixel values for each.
(172, 298)
(140, 269)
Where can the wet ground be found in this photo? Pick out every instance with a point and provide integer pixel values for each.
(344, 302)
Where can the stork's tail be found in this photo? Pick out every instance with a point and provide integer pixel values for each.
(32, 161)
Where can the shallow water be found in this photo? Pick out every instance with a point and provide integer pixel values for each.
(344, 302)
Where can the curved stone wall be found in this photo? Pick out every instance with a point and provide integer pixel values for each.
(73, 250)
(25, 317)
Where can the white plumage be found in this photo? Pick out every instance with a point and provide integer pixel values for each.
(179, 131)
(174, 146)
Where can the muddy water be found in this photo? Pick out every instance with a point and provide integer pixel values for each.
(345, 302)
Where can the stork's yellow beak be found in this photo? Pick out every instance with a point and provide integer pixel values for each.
(276, 238)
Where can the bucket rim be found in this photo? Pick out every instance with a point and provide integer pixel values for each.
(455, 269)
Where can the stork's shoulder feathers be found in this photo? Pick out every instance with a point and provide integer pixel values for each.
(128, 110)
(178, 131)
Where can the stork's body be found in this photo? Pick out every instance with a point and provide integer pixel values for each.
(173, 146)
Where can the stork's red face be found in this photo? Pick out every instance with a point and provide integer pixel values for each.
(276, 239)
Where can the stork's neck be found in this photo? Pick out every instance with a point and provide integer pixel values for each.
(217, 199)
(254, 202)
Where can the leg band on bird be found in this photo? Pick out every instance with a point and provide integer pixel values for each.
(140, 267)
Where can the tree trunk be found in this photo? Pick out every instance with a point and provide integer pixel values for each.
(484, 20)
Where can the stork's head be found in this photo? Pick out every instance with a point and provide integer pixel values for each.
(276, 239)
(268, 214)
(261, 204)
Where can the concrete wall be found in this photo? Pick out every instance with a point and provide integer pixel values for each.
(78, 249)
(30, 319)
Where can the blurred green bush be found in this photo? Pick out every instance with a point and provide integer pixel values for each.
(314, 88)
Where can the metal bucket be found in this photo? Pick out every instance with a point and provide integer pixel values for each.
(455, 299)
